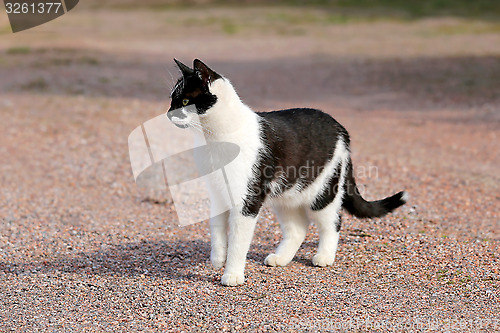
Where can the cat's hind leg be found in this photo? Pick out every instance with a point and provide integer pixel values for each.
(328, 223)
(293, 223)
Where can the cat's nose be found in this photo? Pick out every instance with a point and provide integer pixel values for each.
(176, 113)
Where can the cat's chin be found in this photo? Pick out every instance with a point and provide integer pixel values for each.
(181, 125)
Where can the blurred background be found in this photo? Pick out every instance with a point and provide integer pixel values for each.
(368, 54)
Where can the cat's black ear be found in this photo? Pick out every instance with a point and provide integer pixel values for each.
(184, 69)
(204, 72)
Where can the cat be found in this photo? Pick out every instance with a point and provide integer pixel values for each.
(298, 160)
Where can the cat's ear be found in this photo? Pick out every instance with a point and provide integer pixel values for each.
(204, 72)
(185, 70)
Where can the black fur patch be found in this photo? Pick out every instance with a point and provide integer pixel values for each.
(329, 192)
(257, 189)
(298, 144)
(191, 87)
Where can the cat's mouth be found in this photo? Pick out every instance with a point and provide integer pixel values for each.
(179, 122)
(181, 125)
(178, 117)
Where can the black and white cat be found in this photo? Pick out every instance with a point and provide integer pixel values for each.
(298, 160)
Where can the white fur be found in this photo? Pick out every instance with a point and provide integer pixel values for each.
(405, 197)
(229, 120)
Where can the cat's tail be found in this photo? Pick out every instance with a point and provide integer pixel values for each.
(359, 207)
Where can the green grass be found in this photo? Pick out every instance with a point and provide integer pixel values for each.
(280, 20)
(38, 84)
(51, 60)
(229, 27)
(411, 8)
(19, 50)
(6, 29)
(86, 60)
(375, 8)
(467, 29)
(308, 17)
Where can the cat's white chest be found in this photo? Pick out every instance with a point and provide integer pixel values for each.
(236, 174)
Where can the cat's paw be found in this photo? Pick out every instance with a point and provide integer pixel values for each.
(232, 279)
(322, 260)
(217, 261)
(275, 260)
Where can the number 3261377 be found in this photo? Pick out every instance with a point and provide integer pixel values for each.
(32, 8)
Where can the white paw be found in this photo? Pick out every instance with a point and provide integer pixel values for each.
(217, 260)
(322, 260)
(231, 279)
(275, 260)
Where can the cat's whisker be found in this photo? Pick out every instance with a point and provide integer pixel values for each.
(172, 82)
(199, 127)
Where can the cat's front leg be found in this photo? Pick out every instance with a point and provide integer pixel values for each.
(241, 230)
(218, 238)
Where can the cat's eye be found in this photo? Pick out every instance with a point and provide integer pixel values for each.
(185, 101)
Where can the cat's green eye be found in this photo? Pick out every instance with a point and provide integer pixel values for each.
(185, 101)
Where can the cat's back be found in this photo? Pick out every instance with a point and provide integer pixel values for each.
(298, 116)
(305, 127)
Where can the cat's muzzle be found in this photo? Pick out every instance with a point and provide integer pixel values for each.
(178, 117)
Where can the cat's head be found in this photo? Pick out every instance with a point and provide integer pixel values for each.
(191, 96)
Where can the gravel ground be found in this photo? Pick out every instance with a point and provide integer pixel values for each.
(83, 249)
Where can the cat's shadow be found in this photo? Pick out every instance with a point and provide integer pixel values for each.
(178, 260)
(174, 260)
